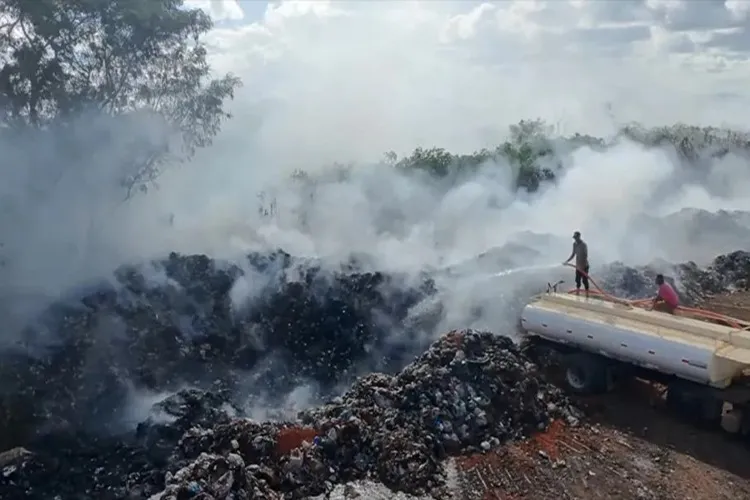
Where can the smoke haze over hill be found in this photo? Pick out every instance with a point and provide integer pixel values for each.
(639, 194)
(310, 105)
(390, 171)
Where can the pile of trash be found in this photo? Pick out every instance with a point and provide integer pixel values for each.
(192, 321)
(470, 391)
(727, 273)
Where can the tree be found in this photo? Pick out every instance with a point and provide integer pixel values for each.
(529, 142)
(61, 57)
(530, 131)
(435, 161)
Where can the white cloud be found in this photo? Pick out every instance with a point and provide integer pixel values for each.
(220, 10)
(688, 15)
(465, 26)
(347, 80)
(739, 9)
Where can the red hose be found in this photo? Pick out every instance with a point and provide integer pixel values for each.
(701, 313)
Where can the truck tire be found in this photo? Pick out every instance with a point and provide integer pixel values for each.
(586, 373)
(676, 400)
(694, 403)
(712, 410)
(745, 425)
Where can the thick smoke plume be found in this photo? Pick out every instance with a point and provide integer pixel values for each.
(437, 252)
(69, 221)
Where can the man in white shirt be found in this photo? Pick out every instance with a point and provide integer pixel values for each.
(581, 253)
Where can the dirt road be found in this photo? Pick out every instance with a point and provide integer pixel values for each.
(630, 448)
(733, 304)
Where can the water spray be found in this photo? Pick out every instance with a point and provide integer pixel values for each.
(524, 269)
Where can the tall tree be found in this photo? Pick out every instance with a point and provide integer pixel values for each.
(60, 57)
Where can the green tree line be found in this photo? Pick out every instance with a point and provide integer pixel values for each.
(532, 150)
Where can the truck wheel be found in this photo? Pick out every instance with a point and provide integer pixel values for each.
(676, 400)
(745, 424)
(544, 356)
(586, 373)
(694, 403)
(712, 410)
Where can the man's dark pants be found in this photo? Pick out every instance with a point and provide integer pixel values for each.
(582, 278)
(662, 306)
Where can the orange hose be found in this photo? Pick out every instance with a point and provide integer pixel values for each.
(734, 323)
(600, 290)
(611, 297)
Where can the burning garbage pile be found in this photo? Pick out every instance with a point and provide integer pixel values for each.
(184, 325)
(726, 273)
(469, 391)
(192, 321)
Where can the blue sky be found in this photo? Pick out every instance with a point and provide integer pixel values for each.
(253, 9)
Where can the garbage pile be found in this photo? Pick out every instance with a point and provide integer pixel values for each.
(729, 272)
(470, 391)
(193, 321)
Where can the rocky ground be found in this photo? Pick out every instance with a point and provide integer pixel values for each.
(471, 395)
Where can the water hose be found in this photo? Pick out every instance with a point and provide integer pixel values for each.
(692, 311)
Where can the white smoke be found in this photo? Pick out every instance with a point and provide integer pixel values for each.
(345, 83)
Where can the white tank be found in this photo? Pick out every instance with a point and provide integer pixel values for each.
(695, 350)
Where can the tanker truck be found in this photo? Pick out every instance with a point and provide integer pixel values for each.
(701, 358)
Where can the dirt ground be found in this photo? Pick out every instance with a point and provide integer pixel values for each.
(631, 447)
(630, 450)
(735, 304)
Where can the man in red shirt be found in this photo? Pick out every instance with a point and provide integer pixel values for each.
(666, 299)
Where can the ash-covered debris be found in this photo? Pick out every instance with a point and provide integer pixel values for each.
(172, 417)
(726, 273)
(186, 324)
(192, 321)
(470, 391)
(71, 464)
(730, 272)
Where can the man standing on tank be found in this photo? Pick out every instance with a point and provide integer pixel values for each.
(581, 253)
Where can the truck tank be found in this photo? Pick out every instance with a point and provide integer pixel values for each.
(693, 346)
